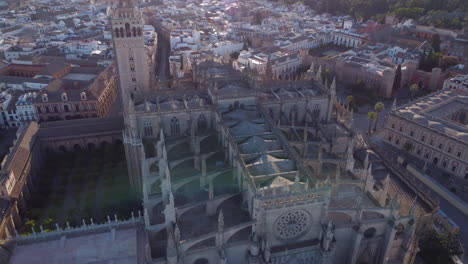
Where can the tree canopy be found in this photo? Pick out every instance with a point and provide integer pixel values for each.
(438, 248)
(448, 14)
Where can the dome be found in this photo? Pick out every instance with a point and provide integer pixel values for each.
(406, 113)
(422, 105)
(420, 119)
(415, 109)
(436, 125)
(463, 136)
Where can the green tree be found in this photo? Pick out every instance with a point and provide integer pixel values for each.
(436, 43)
(379, 107)
(439, 248)
(372, 116)
(326, 74)
(397, 80)
(234, 55)
(48, 224)
(30, 225)
(448, 61)
(414, 88)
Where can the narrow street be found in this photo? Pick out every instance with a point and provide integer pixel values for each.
(162, 55)
(162, 59)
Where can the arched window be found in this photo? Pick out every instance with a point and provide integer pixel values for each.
(122, 32)
(462, 118)
(127, 30)
(148, 127)
(316, 112)
(116, 32)
(134, 32)
(202, 124)
(139, 32)
(370, 232)
(293, 114)
(175, 127)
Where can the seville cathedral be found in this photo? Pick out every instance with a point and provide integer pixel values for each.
(240, 169)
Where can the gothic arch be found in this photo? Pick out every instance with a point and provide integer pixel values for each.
(340, 218)
(207, 243)
(293, 113)
(462, 118)
(271, 113)
(128, 33)
(370, 215)
(175, 126)
(370, 232)
(316, 112)
(156, 217)
(240, 235)
(202, 124)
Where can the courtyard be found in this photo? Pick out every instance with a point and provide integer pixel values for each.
(327, 51)
(82, 184)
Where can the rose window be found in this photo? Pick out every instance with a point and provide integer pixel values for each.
(292, 224)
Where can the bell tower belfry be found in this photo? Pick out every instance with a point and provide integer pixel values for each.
(130, 51)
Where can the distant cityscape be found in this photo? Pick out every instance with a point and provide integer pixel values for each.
(216, 132)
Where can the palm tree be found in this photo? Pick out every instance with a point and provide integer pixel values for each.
(349, 99)
(379, 106)
(371, 116)
(414, 89)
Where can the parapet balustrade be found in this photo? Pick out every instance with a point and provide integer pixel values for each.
(90, 227)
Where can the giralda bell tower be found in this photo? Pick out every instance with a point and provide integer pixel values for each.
(133, 68)
(129, 46)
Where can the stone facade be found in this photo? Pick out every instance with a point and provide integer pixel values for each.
(18, 178)
(245, 170)
(433, 129)
(347, 39)
(238, 168)
(82, 93)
